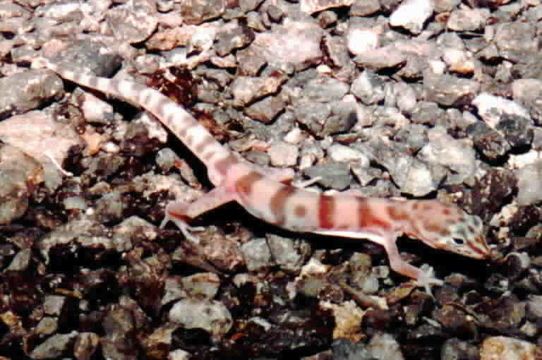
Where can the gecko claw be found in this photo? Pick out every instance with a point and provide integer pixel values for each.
(186, 229)
(427, 279)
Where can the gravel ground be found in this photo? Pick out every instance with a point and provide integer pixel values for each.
(414, 99)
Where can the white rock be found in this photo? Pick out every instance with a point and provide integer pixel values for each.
(412, 14)
(360, 41)
(491, 108)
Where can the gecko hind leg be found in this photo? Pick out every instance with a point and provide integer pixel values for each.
(180, 213)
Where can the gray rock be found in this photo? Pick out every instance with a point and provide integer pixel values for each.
(426, 113)
(337, 50)
(327, 19)
(467, 19)
(247, 89)
(488, 141)
(530, 184)
(109, 207)
(517, 130)
(454, 349)
(411, 175)
(18, 172)
(281, 45)
(266, 109)
(201, 285)
(21, 261)
(492, 109)
(233, 37)
(283, 154)
(54, 347)
(449, 90)
(382, 58)
(528, 92)
(198, 11)
(445, 5)
(133, 21)
(28, 90)
(333, 175)
(364, 7)
(324, 89)
(368, 87)
(313, 115)
(383, 346)
(312, 6)
(209, 315)
(453, 154)
(287, 253)
(516, 40)
(257, 255)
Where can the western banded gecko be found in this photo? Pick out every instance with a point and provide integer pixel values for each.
(265, 194)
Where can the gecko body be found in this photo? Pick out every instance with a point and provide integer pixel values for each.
(264, 193)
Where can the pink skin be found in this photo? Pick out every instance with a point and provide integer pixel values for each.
(264, 194)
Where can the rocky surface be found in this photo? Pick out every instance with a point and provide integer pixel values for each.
(413, 99)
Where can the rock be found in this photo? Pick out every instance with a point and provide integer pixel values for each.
(247, 89)
(347, 319)
(333, 175)
(54, 347)
(283, 154)
(198, 11)
(201, 285)
(132, 22)
(449, 90)
(257, 255)
(387, 57)
(267, 109)
(288, 254)
(488, 141)
(516, 40)
(426, 113)
(530, 184)
(28, 90)
(502, 347)
(493, 108)
(209, 315)
(19, 173)
(412, 14)
(456, 155)
(234, 36)
(369, 88)
(517, 131)
(467, 19)
(364, 7)
(281, 45)
(312, 6)
(360, 40)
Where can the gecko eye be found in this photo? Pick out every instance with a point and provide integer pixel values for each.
(458, 241)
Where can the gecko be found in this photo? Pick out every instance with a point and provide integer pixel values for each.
(268, 196)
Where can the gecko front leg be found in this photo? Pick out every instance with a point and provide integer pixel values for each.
(180, 213)
(424, 276)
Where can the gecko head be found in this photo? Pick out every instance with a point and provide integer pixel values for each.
(449, 228)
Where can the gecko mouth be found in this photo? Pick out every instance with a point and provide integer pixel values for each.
(480, 249)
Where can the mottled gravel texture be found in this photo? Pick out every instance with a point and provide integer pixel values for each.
(414, 99)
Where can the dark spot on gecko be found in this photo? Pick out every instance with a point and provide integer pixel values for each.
(244, 184)
(278, 202)
(300, 211)
(326, 209)
(396, 213)
(367, 218)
